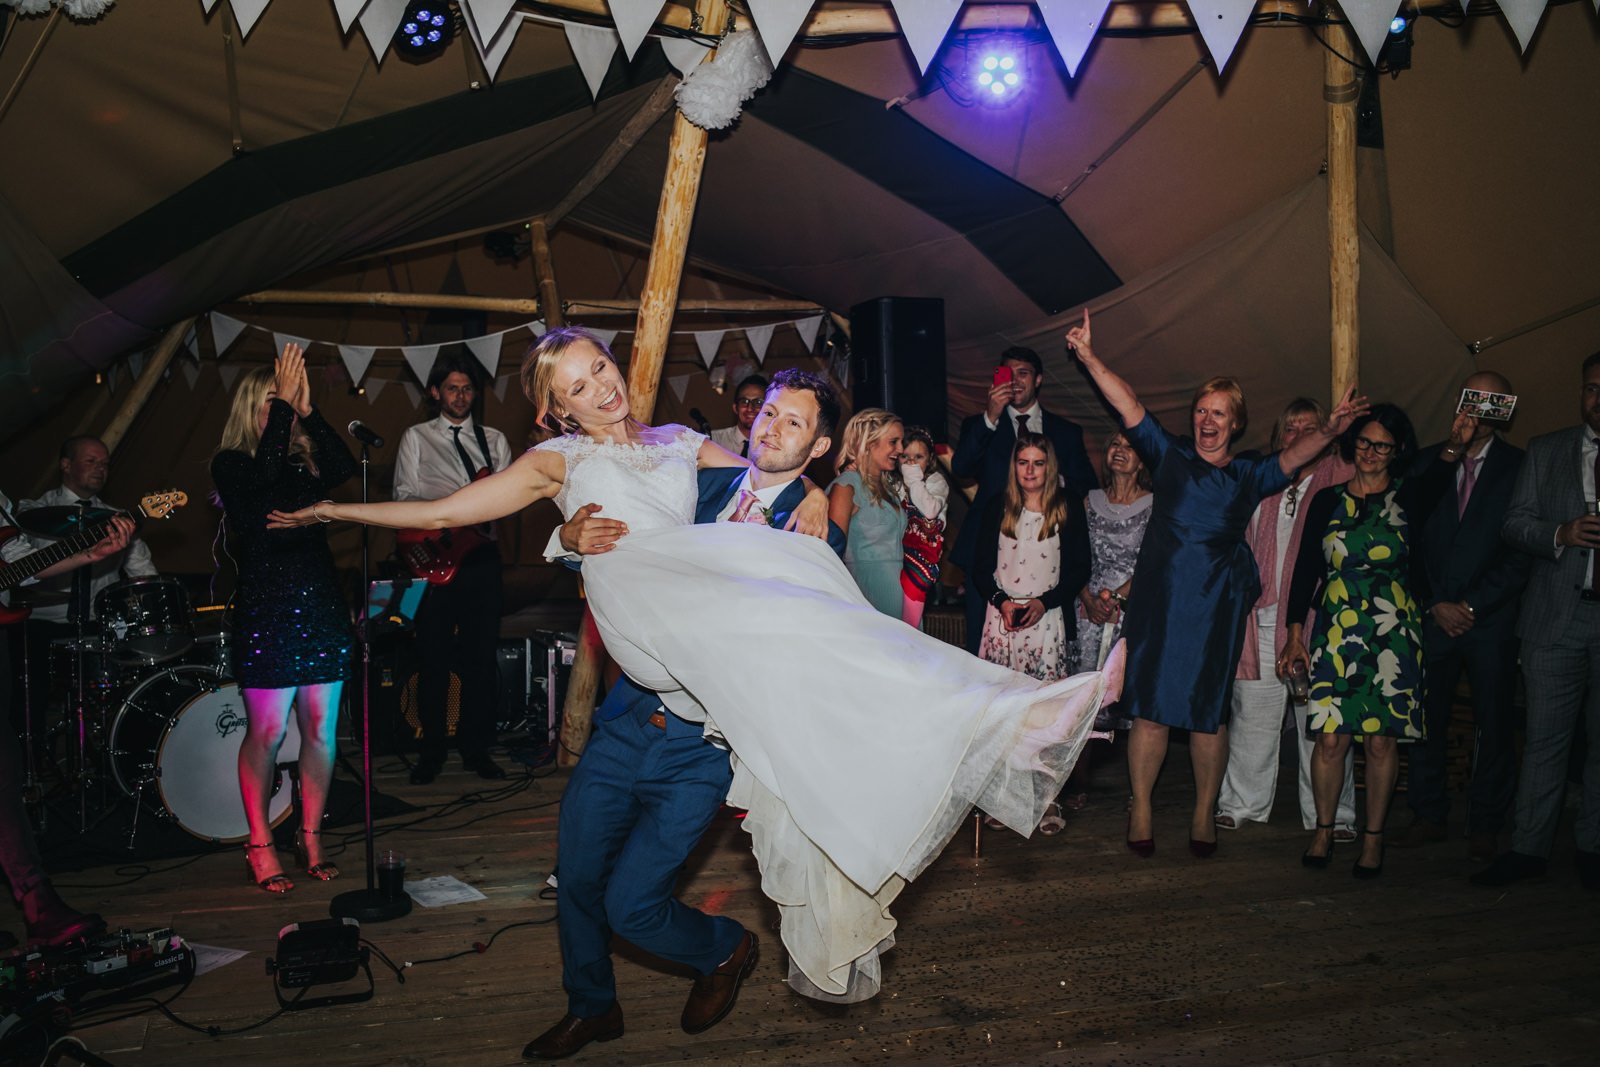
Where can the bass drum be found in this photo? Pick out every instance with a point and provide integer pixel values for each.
(175, 748)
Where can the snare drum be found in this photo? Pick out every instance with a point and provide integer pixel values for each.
(90, 654)
(175, 747)
(147, 620)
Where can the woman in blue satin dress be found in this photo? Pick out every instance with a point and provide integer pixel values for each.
(1194, 581)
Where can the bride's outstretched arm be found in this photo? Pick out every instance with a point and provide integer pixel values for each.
(536, 475)
(712, 454)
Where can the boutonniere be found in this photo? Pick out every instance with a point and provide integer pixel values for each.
(769, 517)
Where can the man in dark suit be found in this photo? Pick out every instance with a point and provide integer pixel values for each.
(1475, 579)
(984, 449)
(1552, 517)
(650, 783)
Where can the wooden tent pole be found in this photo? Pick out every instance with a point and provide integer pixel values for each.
(544, 273)
(118, 427)
(636, 127)
(27, 64)
(1341, 88)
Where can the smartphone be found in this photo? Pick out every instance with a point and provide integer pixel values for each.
(1016, 614)
(1482, 404)
(1002, 375)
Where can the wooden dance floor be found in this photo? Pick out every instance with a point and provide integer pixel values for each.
(1063, 950)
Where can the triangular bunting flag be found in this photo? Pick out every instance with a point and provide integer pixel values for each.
(224, 331)
(493, 50)
(379, 20)
(633, 19)
(1072, 25)
(191, 373)
(486, 18)
(807, 329)
(347, 11)
(708, 342)
(191, 342)
(592, 47)
(111, 378)
(778, 21)
(375, 386)
(1370, 21)
(605, 336)
(357, 358)
(1220, 23)
(230, 374)
(1523, 16)
(136, 365)
(679, 384)
(500, 388)
(281, 339)
(207, 5)
(246, 12)
(685, 55)
(420, 358)
(486, 350)
(413, 394)
(537, 328)
(759, 337)
(924, 24)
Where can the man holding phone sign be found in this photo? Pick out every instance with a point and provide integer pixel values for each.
(1475, 581)
(983, 452)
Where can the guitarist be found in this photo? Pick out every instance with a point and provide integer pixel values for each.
(458, 622)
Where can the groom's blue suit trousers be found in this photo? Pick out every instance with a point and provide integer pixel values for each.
(633, 810)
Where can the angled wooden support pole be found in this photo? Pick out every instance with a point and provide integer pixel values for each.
(1341, 88)
(122, 421)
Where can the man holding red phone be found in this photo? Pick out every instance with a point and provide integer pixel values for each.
(983, 452)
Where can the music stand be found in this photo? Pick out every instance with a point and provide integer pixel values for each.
(367, 905)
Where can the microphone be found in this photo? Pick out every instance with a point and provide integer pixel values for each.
(700, 421)
(364, 433)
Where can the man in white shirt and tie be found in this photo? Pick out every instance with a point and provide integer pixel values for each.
(747, 400)
(458, 623)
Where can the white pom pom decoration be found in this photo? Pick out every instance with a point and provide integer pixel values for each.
(29, 7)
(714, 93)
(85, 10)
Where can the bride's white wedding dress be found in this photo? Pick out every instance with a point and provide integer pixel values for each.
(859, 744)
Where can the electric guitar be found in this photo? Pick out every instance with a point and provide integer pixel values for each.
(154, 506)
(434, 556)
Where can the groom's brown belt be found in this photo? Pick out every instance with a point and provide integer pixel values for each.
(658, 719)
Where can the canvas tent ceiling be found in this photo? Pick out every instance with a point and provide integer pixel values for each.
(1489, 167)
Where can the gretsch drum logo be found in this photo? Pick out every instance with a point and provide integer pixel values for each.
(229, 720)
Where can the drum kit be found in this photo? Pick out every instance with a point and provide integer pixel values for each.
(155, 717)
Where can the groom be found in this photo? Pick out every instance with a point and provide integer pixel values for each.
(650, 783)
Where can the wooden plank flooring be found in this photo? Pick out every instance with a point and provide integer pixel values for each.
(1064, 950)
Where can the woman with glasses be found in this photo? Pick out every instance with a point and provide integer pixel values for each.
(1365, 663)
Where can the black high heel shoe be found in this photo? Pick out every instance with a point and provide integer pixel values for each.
(274, 882)
(1320, 863)
(322, 872)
(1366, 874)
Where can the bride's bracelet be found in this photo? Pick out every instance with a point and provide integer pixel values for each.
(315, 514)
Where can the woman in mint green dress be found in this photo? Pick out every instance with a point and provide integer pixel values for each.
(865, 502)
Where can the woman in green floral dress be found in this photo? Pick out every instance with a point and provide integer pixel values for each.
(1365, 662)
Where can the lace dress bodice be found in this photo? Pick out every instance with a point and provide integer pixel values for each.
(649, 486)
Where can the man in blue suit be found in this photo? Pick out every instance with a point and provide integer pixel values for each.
(983, 451)
(650, 783)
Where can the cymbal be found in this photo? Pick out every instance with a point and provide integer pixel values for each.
(61, 521)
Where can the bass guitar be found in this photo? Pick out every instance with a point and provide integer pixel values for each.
(154, 506)
(434, 556)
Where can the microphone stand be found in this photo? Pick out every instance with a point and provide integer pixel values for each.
(367, 905)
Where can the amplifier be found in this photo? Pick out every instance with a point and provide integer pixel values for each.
(533, 681)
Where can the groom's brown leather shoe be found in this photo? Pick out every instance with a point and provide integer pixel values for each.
(713, 995)
(572, 1033)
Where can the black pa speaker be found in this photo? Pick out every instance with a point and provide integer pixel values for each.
(897, 359)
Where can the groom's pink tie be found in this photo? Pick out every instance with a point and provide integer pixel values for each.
(741, 511)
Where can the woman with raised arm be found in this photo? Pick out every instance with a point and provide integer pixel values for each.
(859, 744)
(1194, 581)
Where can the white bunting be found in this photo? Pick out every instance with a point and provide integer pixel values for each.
(493, 50)
(778, 21)
(357, 358)
(807, 329)
(708, 341)
(760, 337)
(685, 55)
(281, 339)
(1370, 21)
(191, 342)
(633, 19)
(592, 47)
(679, 384)
(191, 373)
(136, 364)
(420, 358)
(500, 388)
(224, 331)
(537, 328)
(379, 20)
(486, 350)
(924, 24)
(230, 374)
(1221, 22)
(207, 5)
(111, 378)
(246, 12)
(347, 11)
(375, 386)
(1072, 25)
(486, 18)
(605, 336)
(413, 394)
(1523, 16)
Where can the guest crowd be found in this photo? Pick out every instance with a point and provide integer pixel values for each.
(1332, 590)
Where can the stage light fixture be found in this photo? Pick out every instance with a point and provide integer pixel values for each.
(1395, 55)
(1398, 24)
(1000, 74)
(425, 29)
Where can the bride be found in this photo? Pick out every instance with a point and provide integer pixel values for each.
(858, 747)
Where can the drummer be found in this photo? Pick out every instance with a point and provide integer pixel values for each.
(85, 463)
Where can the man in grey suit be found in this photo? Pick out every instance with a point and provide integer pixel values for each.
(1553, 517)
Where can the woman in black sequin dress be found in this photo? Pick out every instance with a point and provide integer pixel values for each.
(291, 626)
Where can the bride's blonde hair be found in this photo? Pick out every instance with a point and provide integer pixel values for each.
(539, 370)
(242, 431)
